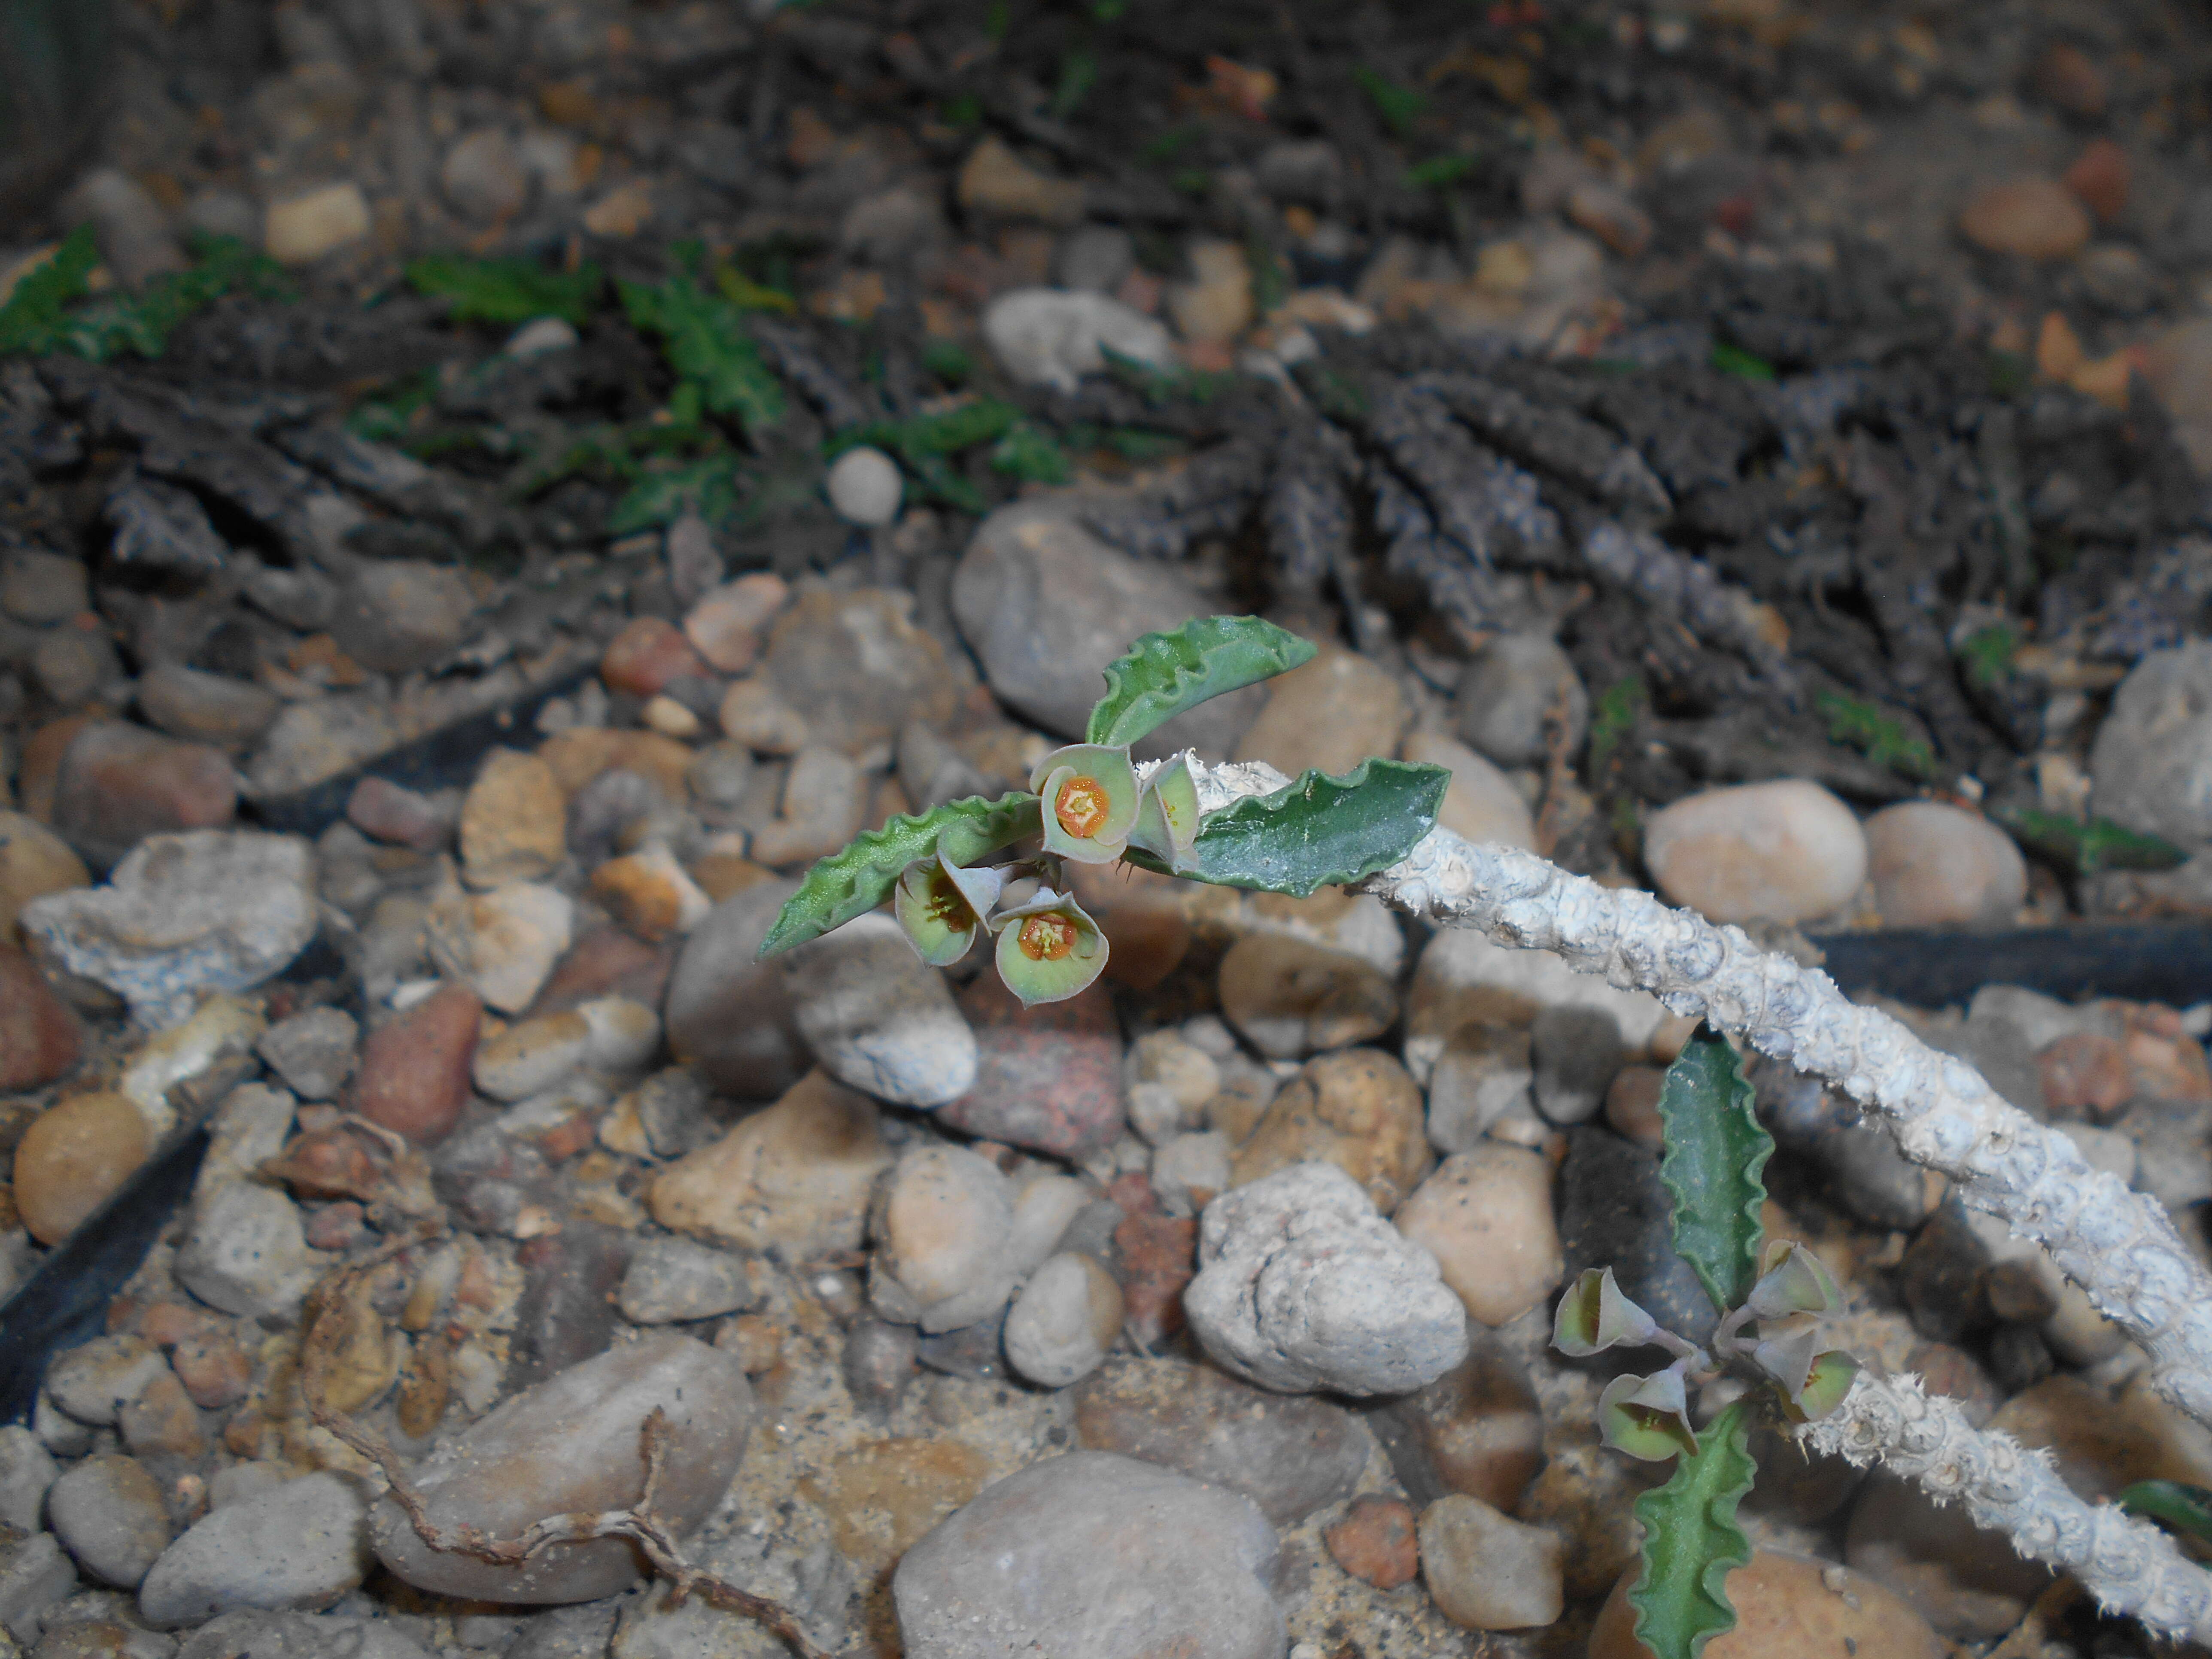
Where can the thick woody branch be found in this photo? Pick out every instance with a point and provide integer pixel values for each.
(2129, 1565)
(2119, 1245)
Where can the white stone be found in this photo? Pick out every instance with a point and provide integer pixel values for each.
(26, 1470)
(1301, 1286)
(1787, 852)
(1063, 1323)
(2151, 764)
(303, 229)
(186, 915)
(1043, 1210)
(865, 487)
(1051, 337)
(541, 335)
(303, 1544)
(878, 1020)
(249, 1128)
(246, 1252)
(503, 942)
(1936, 865)
(223, 1026)
(1188, 1166)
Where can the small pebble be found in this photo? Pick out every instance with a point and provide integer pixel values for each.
(1576, 1054)
(1787, 852)
(1788, 1606)
(110, 1513)
(1064, 1321)
(299, 1544)
(1934, 866)
(312, 1052)
(1508, 692)
(1485, 1215)
(2030, 218)
(865, 487)
(941, 1224)
(673, 1279)
(878, 1020)
(1357, 1110)
(73, 1157)
(2085, 1074)
(40, 1038)
(27, 1471)
(798, 1176)
(1290, 997)
(646, 656)
(415, 1068)
(1487, 1571)
(1376, 1542)
(1329, 715)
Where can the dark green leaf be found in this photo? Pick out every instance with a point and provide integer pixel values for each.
(1164, 674)
(1031, 455)
(1399, 107)
(1988, 653)
(1439, 171)
(1079, 73)
(949, 360)
(1715, 1151)
(32, 320)
(1880, 738)
(1318, 831)
(707, 488)
(507, 291)
(2170, 1504)
(855, 881)
(1734, 360)
(2088, 848)
(705, 340)
(1691, 1540)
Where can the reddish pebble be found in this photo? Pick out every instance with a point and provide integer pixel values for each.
(2168, 1067)
(165, 1324)
(162, 1421)
(120, 784)
(1159, 1256)
(384, 810)
(1377, 1541)
(2101, 178)
(2084, 1074)
(336, 1226)
(1048, 1078)
(2031, 218)
(415, 1070)
(39, 1035)
(1131, 1194)
(646, 655)
(1632, 1104)
(213, 1368)
(2070, 78)
(725, 624)
(328, 1161)
(568, 1138)
(607, 961)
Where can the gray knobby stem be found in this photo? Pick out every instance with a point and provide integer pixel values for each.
(2119, 1245)
(2129, 1565)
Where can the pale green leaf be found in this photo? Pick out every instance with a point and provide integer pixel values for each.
(1316, 832)
(1716, 1149)
(1692, 1541)
(1166, 673)
(854, 881)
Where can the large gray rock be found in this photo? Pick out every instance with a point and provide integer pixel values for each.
(1046, 605)
(1092, 1556)
(879, 1019)
(728, 1014)
(300, 1545)
(109, 1511)
(574, 1442)
(183, 915)
(2152, 762)
(1302, 1285)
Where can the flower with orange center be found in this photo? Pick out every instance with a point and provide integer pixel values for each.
(1049, 948)
(1046, 938)
(1091, 798)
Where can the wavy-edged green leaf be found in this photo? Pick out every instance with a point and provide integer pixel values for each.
(705, 340)
(854, 881)
(1716, 1149)
(33, 319)
(1164, 674)
(2088, 846)
(2171, 1503)
(1692, 1541)
(1316, 832)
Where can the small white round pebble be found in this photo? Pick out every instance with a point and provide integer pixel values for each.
(865, 487)
(541, 335)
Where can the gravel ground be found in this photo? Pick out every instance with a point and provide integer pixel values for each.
(620, 452)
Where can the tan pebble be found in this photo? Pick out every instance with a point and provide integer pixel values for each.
(514, 820)
(881, 1497)
(1481, 802)
(1487, 1571)
(1217, 304)
(650, 893)
(531, 1055)
(302, 229)
(72, 1158)
(1290, 997)
(994, 180)
(1785, 851)
(1358, 1110)
(1934, 866)
(2100, 178)
(798, 1175)
(646, 655)
(724, 626)
(670, 718)
(1331, 714)
(33, 862)
(2031, 218)
(1486, 1217)
(1632, 1104)
(756, 716)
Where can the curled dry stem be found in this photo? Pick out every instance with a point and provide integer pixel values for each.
(321, 1331)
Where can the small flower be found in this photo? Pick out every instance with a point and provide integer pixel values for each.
(942, 907)
(1593, 1315)
(1826, 1382)
(1791, 1280)
(1090, 797)
(1050, 949)
(1647, 1417)
(1167, 815)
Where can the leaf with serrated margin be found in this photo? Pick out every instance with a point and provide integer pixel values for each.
(1691, 1540)
(1164, 674)
(1317, 832)
(854, 881)
(1716, 1149)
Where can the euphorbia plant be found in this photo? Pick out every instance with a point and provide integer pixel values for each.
(1768, 1293)
(976, 867)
